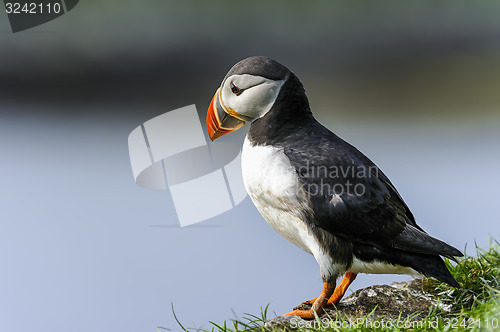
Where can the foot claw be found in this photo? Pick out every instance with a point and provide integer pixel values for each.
(304, 314)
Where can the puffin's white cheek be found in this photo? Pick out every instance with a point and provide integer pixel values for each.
(254, 101)
(264, 97)
(233, 101)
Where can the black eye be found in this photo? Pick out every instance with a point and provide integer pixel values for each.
(235, 89)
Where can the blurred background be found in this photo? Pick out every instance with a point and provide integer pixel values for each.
(415, 86)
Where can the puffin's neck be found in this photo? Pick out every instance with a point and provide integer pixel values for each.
(289, 113)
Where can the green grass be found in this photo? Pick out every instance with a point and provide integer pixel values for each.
(476, 306)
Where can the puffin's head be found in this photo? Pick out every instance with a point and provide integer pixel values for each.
(248, 92)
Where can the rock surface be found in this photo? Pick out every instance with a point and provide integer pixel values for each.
(397, 301)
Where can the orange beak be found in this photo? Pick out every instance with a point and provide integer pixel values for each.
(219, 122)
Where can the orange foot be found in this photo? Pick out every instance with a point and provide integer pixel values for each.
(339, 292)
(318, 305)
(304, 314)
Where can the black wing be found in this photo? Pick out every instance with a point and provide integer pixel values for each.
(352, 198)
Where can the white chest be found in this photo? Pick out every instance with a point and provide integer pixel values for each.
(272, 184)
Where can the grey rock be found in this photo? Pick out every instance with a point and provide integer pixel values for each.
(397, 301)
(285, 322)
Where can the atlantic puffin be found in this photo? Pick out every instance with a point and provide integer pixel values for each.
(317, 190)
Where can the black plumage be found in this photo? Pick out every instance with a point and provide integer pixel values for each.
(374, 225)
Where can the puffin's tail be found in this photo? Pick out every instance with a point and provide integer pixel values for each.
(415, 240)
(434, 266)
(430, 265)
